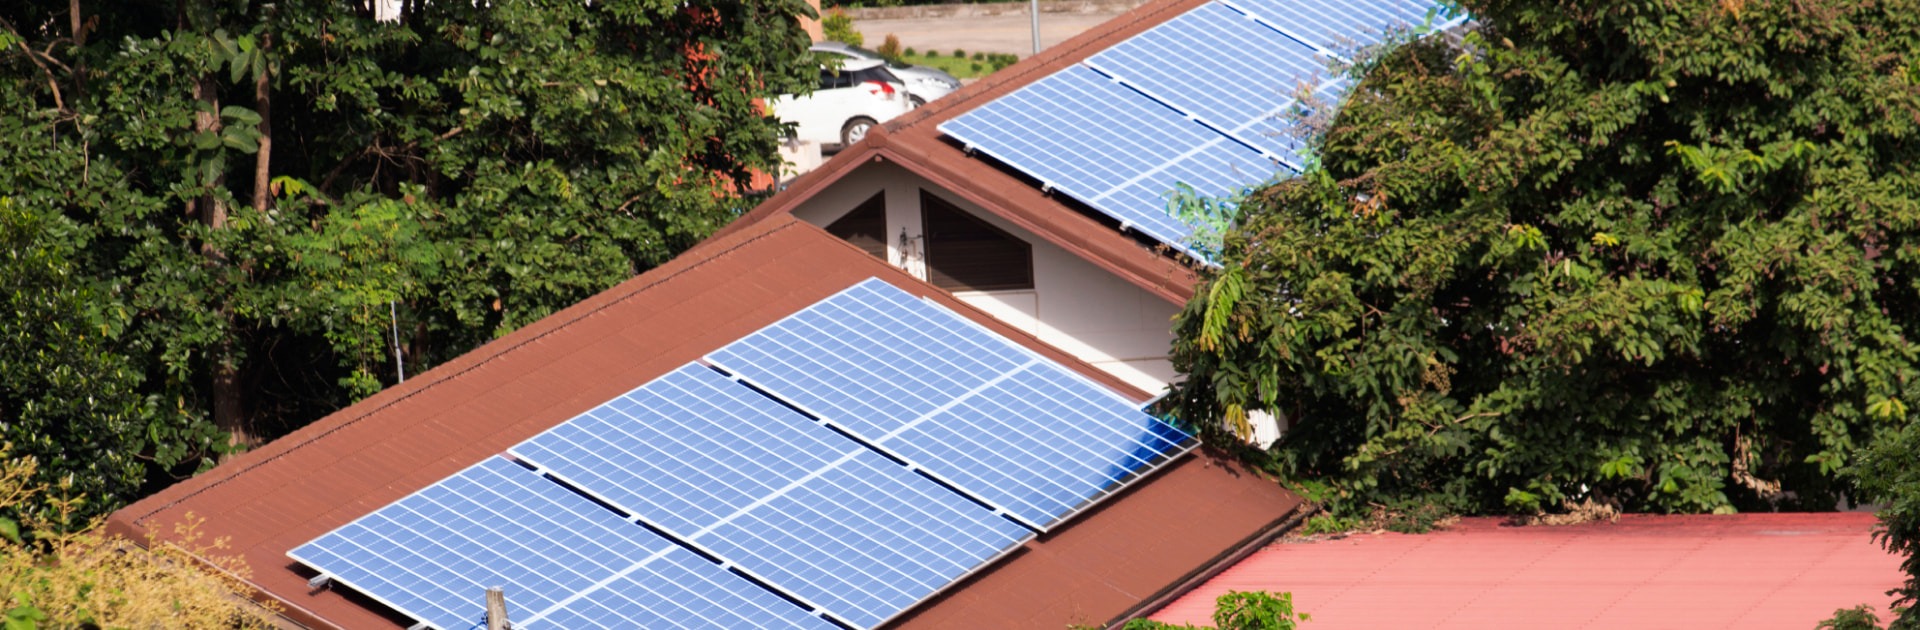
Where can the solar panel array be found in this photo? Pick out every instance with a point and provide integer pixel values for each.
(966, 406)
(1196, 100)
(835, 468)
(433, 553)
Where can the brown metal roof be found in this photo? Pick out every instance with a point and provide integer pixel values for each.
(912, 141)
(276, 497)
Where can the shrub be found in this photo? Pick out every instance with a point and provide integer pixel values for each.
(959, 54)
(838, 26)
(910, 52)
(890, 47)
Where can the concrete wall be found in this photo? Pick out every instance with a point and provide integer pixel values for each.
(1074, 305)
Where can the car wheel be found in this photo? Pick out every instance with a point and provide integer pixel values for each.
(855, 130)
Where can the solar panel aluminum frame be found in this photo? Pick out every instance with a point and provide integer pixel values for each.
(1033, 357)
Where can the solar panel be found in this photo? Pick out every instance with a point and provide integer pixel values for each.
(1336, 25)
(1085, 135)
(1196, 63)
(1225, 68)
(1007, 426)
(432, 554)
(764, 488)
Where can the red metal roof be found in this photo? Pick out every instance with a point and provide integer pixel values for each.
(1750, 571)
(372, 453)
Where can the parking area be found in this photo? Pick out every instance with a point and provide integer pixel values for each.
(1005, 33)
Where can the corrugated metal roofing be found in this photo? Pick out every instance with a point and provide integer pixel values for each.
(1749, 571)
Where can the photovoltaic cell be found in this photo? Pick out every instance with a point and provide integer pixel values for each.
(866, 539)
(771, 491)
(1337, 25)
(1228, 90)
(691, 447)
(432, 555)
(1085, 135)
(1231, 64)
(1016, 430)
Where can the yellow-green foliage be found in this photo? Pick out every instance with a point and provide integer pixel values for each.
(63, 579)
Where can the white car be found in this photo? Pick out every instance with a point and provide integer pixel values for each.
(852, 99)
(923, 83)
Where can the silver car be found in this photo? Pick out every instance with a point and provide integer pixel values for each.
(923, 83)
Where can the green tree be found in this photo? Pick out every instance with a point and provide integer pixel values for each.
(1889, 473)
(283, 200)
(1658, 254)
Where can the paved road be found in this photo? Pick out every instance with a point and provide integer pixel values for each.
(996, 33)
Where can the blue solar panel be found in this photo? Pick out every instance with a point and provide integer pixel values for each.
(432, 554)
(691, 447)
(1085, 135)
(1337, 25)
(1230, 89)
(784, 498)
(1013, 429)
(1231, 64)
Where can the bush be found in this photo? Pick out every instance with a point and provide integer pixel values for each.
(1857, 618)
(1256, 610)
(890, 47)
(959, 54)
(909, 51)
(838, 26)
(88, 579)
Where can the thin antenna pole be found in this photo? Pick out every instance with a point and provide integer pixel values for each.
(393, 317)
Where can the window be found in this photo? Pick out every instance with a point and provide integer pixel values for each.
(967, 254)
(865, 226)
(830, 79)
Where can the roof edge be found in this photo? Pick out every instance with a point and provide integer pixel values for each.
(1220, 563)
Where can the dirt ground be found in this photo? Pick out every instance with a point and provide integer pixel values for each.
(994, 33)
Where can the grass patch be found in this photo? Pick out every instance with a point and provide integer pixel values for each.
(979, 65)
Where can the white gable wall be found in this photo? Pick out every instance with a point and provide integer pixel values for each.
(1074, 305)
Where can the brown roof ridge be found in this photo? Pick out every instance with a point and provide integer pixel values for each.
(707, 251)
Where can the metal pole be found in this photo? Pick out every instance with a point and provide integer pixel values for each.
(1034, 8)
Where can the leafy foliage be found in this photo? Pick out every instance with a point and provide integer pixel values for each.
(59, 576)
(1674, 272)
(259, 212)
(837, 26)
(1888, 473)
(1236, 610)
(1856, 618)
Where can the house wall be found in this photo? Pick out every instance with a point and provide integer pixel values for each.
(1074, 305)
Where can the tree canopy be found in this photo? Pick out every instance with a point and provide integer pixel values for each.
(1660, 255)
(225, 219)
